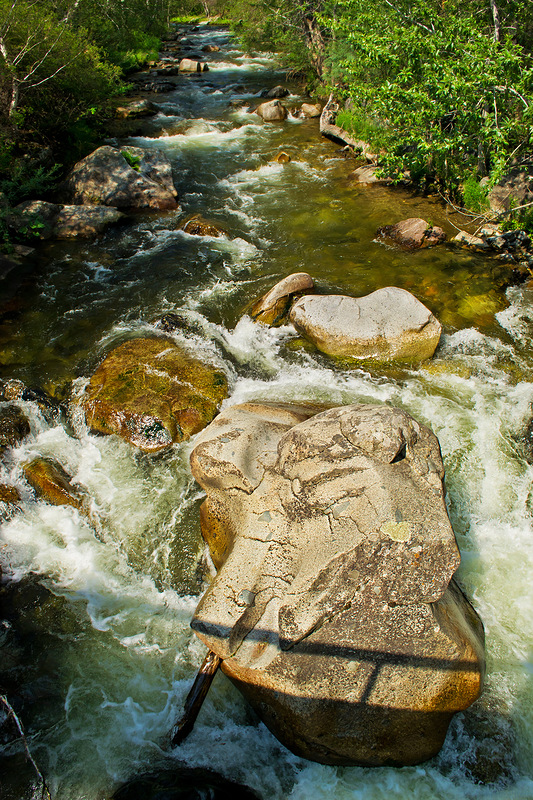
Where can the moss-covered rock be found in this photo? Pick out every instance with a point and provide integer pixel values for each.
(152, 393)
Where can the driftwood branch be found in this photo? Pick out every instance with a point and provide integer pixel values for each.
(45, 794)
(195, 698)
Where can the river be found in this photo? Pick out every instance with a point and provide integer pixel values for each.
(97, 653)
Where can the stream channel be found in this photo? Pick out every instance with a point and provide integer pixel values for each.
(97, 654)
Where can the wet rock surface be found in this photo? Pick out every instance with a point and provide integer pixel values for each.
(334, 606)
(183, 783)
(199, 226)
(52, 483)
(273, 306)
(388, 324)
(14, 426)
(152, 393)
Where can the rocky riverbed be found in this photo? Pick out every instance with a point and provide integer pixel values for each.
(103, 575)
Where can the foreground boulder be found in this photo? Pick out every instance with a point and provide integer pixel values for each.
(273, 111)
(129, 177)
(272, 307)
(389, 324)
(334, 607)
(152, 393)
(413, 233)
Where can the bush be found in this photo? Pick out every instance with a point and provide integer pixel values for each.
(475, 195)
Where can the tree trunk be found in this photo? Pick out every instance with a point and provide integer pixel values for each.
(15, 95)
(315, 42)
(495, 19)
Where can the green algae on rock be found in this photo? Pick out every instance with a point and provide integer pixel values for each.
(152, 393)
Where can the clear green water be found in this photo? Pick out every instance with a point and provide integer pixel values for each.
(101, 656)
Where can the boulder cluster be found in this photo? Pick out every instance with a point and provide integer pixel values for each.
(388, 324)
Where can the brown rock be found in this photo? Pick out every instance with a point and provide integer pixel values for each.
(282, 158)
(413, 233)
(311, 109)
(272, 308)
(273, 111)
(333, 608)
(210, 48)
(152, 393)
(9, 494)
(50, 482)
(198, 226)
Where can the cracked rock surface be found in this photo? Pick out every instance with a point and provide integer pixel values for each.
(334, 607)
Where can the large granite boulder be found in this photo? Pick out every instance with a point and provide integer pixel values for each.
(389, 324)
(334, 607)
(273, 306)
(152, 393)
(129, 177)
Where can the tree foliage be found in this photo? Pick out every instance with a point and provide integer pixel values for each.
(445, 87)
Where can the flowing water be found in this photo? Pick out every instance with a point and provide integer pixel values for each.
(97, 654)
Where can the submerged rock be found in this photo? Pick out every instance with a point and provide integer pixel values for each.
(388, 324)
(129, 177)
(198, 226)
(413, 233)
(183, 783)
(152, 393)
(273, 111)
(272, 307)
(334, 607)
